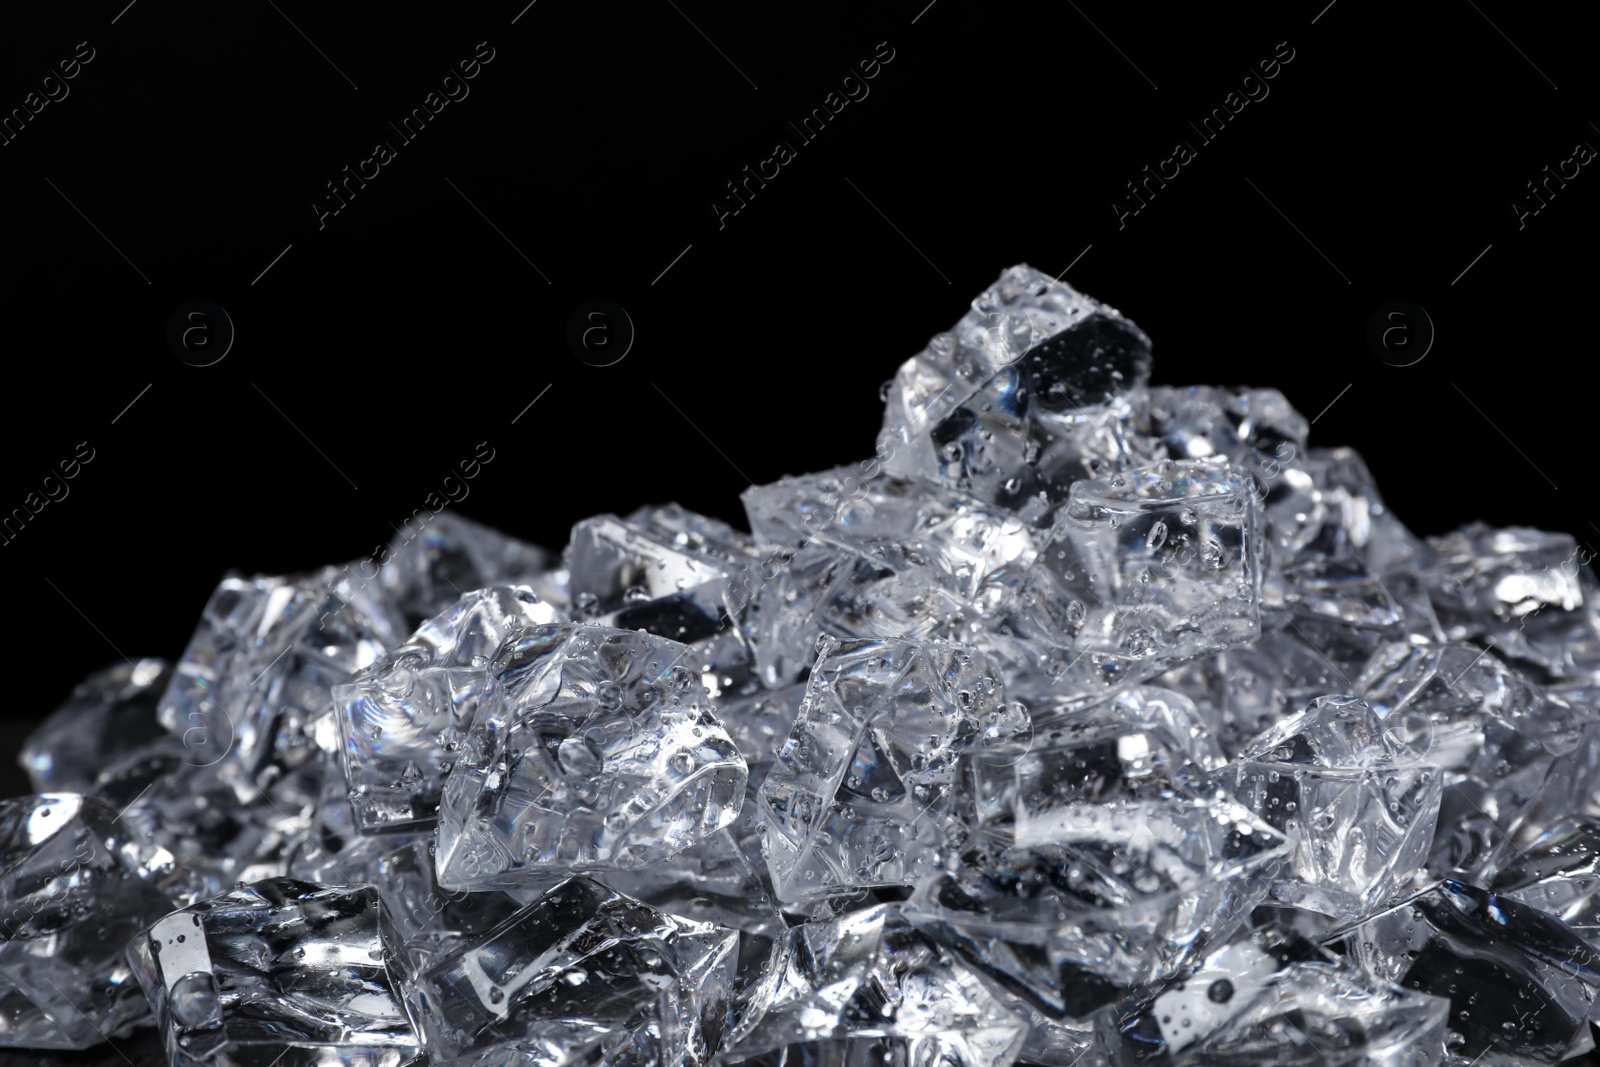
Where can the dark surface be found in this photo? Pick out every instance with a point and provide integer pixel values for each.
(381, 349)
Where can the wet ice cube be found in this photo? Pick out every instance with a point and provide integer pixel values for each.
(430, 566)
(279, 970)
(1024, 396)
(108, 713)
(878, 557)
(583, 974)
(605, 752)
(1126, 893)
(266, 647)
(1142, 571)
(1520, 983)
(1528, 593)
(1355, 799)
(403, 718)
(1273, 998)
(866, 987)
(70, 898)
(868, 790)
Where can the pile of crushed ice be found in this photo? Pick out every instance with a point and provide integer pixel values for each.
(1087, 722)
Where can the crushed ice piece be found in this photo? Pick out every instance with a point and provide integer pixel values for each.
(1355, 799)
(605, 751)
(1027, 394)
(404, 718)
(424, 571)
(583, 974)
(1521, 985)
(869, 556)
(108, 713)
(1256, 426)
(274, 967)
(1134, 747)
(268, 647)
(1145, 570)
(1123, 894)
(1528, 593)
(1273, 997)
(866, 985)
(70, 898)
(722, 880)
(640, 579)
(868, 790)
(1483, 724)
(1559, 873)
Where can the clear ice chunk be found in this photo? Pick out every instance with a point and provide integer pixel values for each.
(722, 880)
(267, 648)
(1483, 724)
(404, 717)
(1250, 426)
(108, 713)
(70, 899)
(1145, 570)
(424, 571)
(605, 751)
(582, 975)
(1142, 744)
(1355, 799)
(1520, 983)
(429, 920)
(281, 971)
(1322, 503)
(865, 987)
(1126, 894)
(1272, 997)
(1527, 593)
(869, 788)
(635, 579)
(1027, 394)
(878, 557)
(1559, 873)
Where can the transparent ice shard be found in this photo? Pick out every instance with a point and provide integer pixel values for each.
(1355, 799)
(404, 718)
(1558, 873)
(583, 975)
(428, 568)
(722, 880)
(1520, 983)
(1145, 570)
(635, 579)
(279, 971)
(70, 898)
(759, 720)
(1142, 744)
(868, 790)
(1028, 393)
(865, 987)
(1271, 997)
(428, 919)
(1125, 894)
(1322, 503)
(878, 557)
(604, 752)
(1529, 594)
(1253, 427)
(108, 713)
(269, 647)
(1482, 724)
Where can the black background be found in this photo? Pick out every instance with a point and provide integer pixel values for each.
(379, 350)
